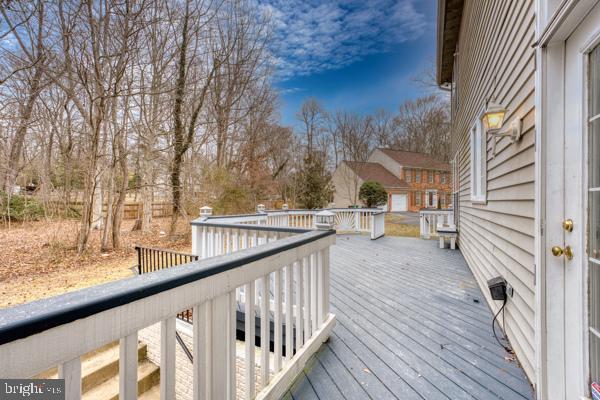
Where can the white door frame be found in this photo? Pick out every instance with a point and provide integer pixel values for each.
(556, 359)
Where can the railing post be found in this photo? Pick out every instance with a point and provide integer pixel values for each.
(167, 358)
(128, 362)
(213, 356)
(357, 220)
(323, 285)
(196, 240)
(70, 371)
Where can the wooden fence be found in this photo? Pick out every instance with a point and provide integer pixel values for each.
(132, 210)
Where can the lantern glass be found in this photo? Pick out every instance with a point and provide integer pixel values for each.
(494, 117)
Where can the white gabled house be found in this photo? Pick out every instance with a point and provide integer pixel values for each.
(524, 78)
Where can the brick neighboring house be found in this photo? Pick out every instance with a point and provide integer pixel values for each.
(413, 180)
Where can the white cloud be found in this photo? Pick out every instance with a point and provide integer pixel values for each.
(313, 36)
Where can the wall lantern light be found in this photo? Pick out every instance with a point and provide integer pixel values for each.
(493, 121)
(493, 117)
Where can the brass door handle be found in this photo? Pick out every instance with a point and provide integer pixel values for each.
(568, 225)
(559, 251)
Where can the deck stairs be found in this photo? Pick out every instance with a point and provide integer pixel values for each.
(100, 374)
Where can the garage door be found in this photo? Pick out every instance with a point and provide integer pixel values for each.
(399, 202)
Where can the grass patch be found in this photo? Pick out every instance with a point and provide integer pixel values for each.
(395, 226)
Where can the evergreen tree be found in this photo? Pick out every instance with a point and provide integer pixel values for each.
(315, 189)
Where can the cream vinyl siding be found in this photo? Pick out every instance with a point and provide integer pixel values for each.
(378, 156)
(346, 186)
(495, 60)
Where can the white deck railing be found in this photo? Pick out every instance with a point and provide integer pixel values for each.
(431, 219)
(292, 264)
(346, 219)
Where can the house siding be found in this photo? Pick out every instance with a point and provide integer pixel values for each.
(496, 60)
(377, 156)
(346, 186)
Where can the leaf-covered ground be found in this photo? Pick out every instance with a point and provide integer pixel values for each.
(39, 259)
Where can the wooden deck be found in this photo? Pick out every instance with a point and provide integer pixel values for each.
(411, 324)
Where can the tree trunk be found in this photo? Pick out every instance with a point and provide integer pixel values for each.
(19, 139)
(108, 221)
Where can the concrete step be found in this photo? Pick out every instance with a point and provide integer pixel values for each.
(152, 394)
(148, 378)
(100, 374)
(98, 366)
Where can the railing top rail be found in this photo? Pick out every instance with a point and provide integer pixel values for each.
(315, 210)
(292, 210)
(164, 250)
(435, 211)
(28, 319)
(266, 228)
(354, 209)
(236, 216)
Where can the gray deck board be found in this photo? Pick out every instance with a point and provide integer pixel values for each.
(412, 324)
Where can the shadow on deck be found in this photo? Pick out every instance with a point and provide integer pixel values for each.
(411, 324)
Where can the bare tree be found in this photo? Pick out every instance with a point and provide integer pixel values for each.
(312, 115)
(424, 126)
(356, 137)
(27, 23)
(194, 82)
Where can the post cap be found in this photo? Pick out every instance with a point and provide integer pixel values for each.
(205, 211)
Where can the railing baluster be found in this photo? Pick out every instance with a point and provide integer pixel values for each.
(307, 297)
(265, 329)
(70, 371)
(299, 304)
(320, 288)
(313, 293)
(288, 313)
(201, 367)
(231, 334)
(277, 320)
(204, 245)
(249, 338)
(128, 362)
(167, 358)
(326, 283)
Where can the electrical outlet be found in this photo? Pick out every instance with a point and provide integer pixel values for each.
(509, 290)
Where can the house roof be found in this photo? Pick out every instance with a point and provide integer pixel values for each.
(448, 27)
(369, 171)
(416, 160)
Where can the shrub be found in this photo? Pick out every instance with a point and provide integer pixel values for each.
(20, 208)
(372, 194)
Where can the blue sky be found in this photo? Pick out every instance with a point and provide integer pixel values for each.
(351, 55)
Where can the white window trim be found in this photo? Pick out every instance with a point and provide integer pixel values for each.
(478, 155)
